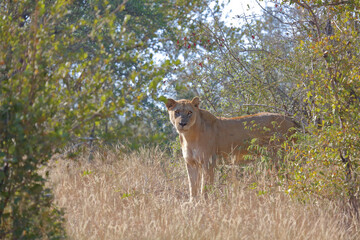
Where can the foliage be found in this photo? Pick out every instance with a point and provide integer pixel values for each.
(245, 69)
(66, 67)
(48, 90)
(143, 63)
(331, 82)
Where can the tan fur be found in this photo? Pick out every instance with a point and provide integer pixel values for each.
(204, 136)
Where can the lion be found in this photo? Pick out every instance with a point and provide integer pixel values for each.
(204, 136)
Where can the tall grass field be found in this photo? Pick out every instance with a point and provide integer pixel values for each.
(144, 194)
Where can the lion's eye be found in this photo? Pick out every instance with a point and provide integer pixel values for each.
(177, 112)
(189, 112)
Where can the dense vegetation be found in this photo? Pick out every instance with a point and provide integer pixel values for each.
(73, 71)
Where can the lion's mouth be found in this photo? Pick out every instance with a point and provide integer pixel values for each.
(182, 129)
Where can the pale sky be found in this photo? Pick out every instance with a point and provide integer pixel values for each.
(241, 7)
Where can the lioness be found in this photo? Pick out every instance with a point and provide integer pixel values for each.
(203, 136)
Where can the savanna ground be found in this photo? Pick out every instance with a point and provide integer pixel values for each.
(143, 194)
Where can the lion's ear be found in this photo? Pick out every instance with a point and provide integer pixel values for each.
(196, 102)
(170, 103)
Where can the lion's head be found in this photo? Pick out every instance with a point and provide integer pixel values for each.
(183, 113)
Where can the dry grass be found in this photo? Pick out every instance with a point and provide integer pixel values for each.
(144, 195)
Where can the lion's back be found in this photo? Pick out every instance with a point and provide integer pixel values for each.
(239, 131)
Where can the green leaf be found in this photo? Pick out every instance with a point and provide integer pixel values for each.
(162, 99)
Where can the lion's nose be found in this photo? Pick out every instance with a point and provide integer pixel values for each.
(182, 124)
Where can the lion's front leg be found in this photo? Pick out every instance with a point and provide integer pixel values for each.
(194, 179)
(208, 173)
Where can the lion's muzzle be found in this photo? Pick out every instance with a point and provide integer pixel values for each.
(182, 124)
